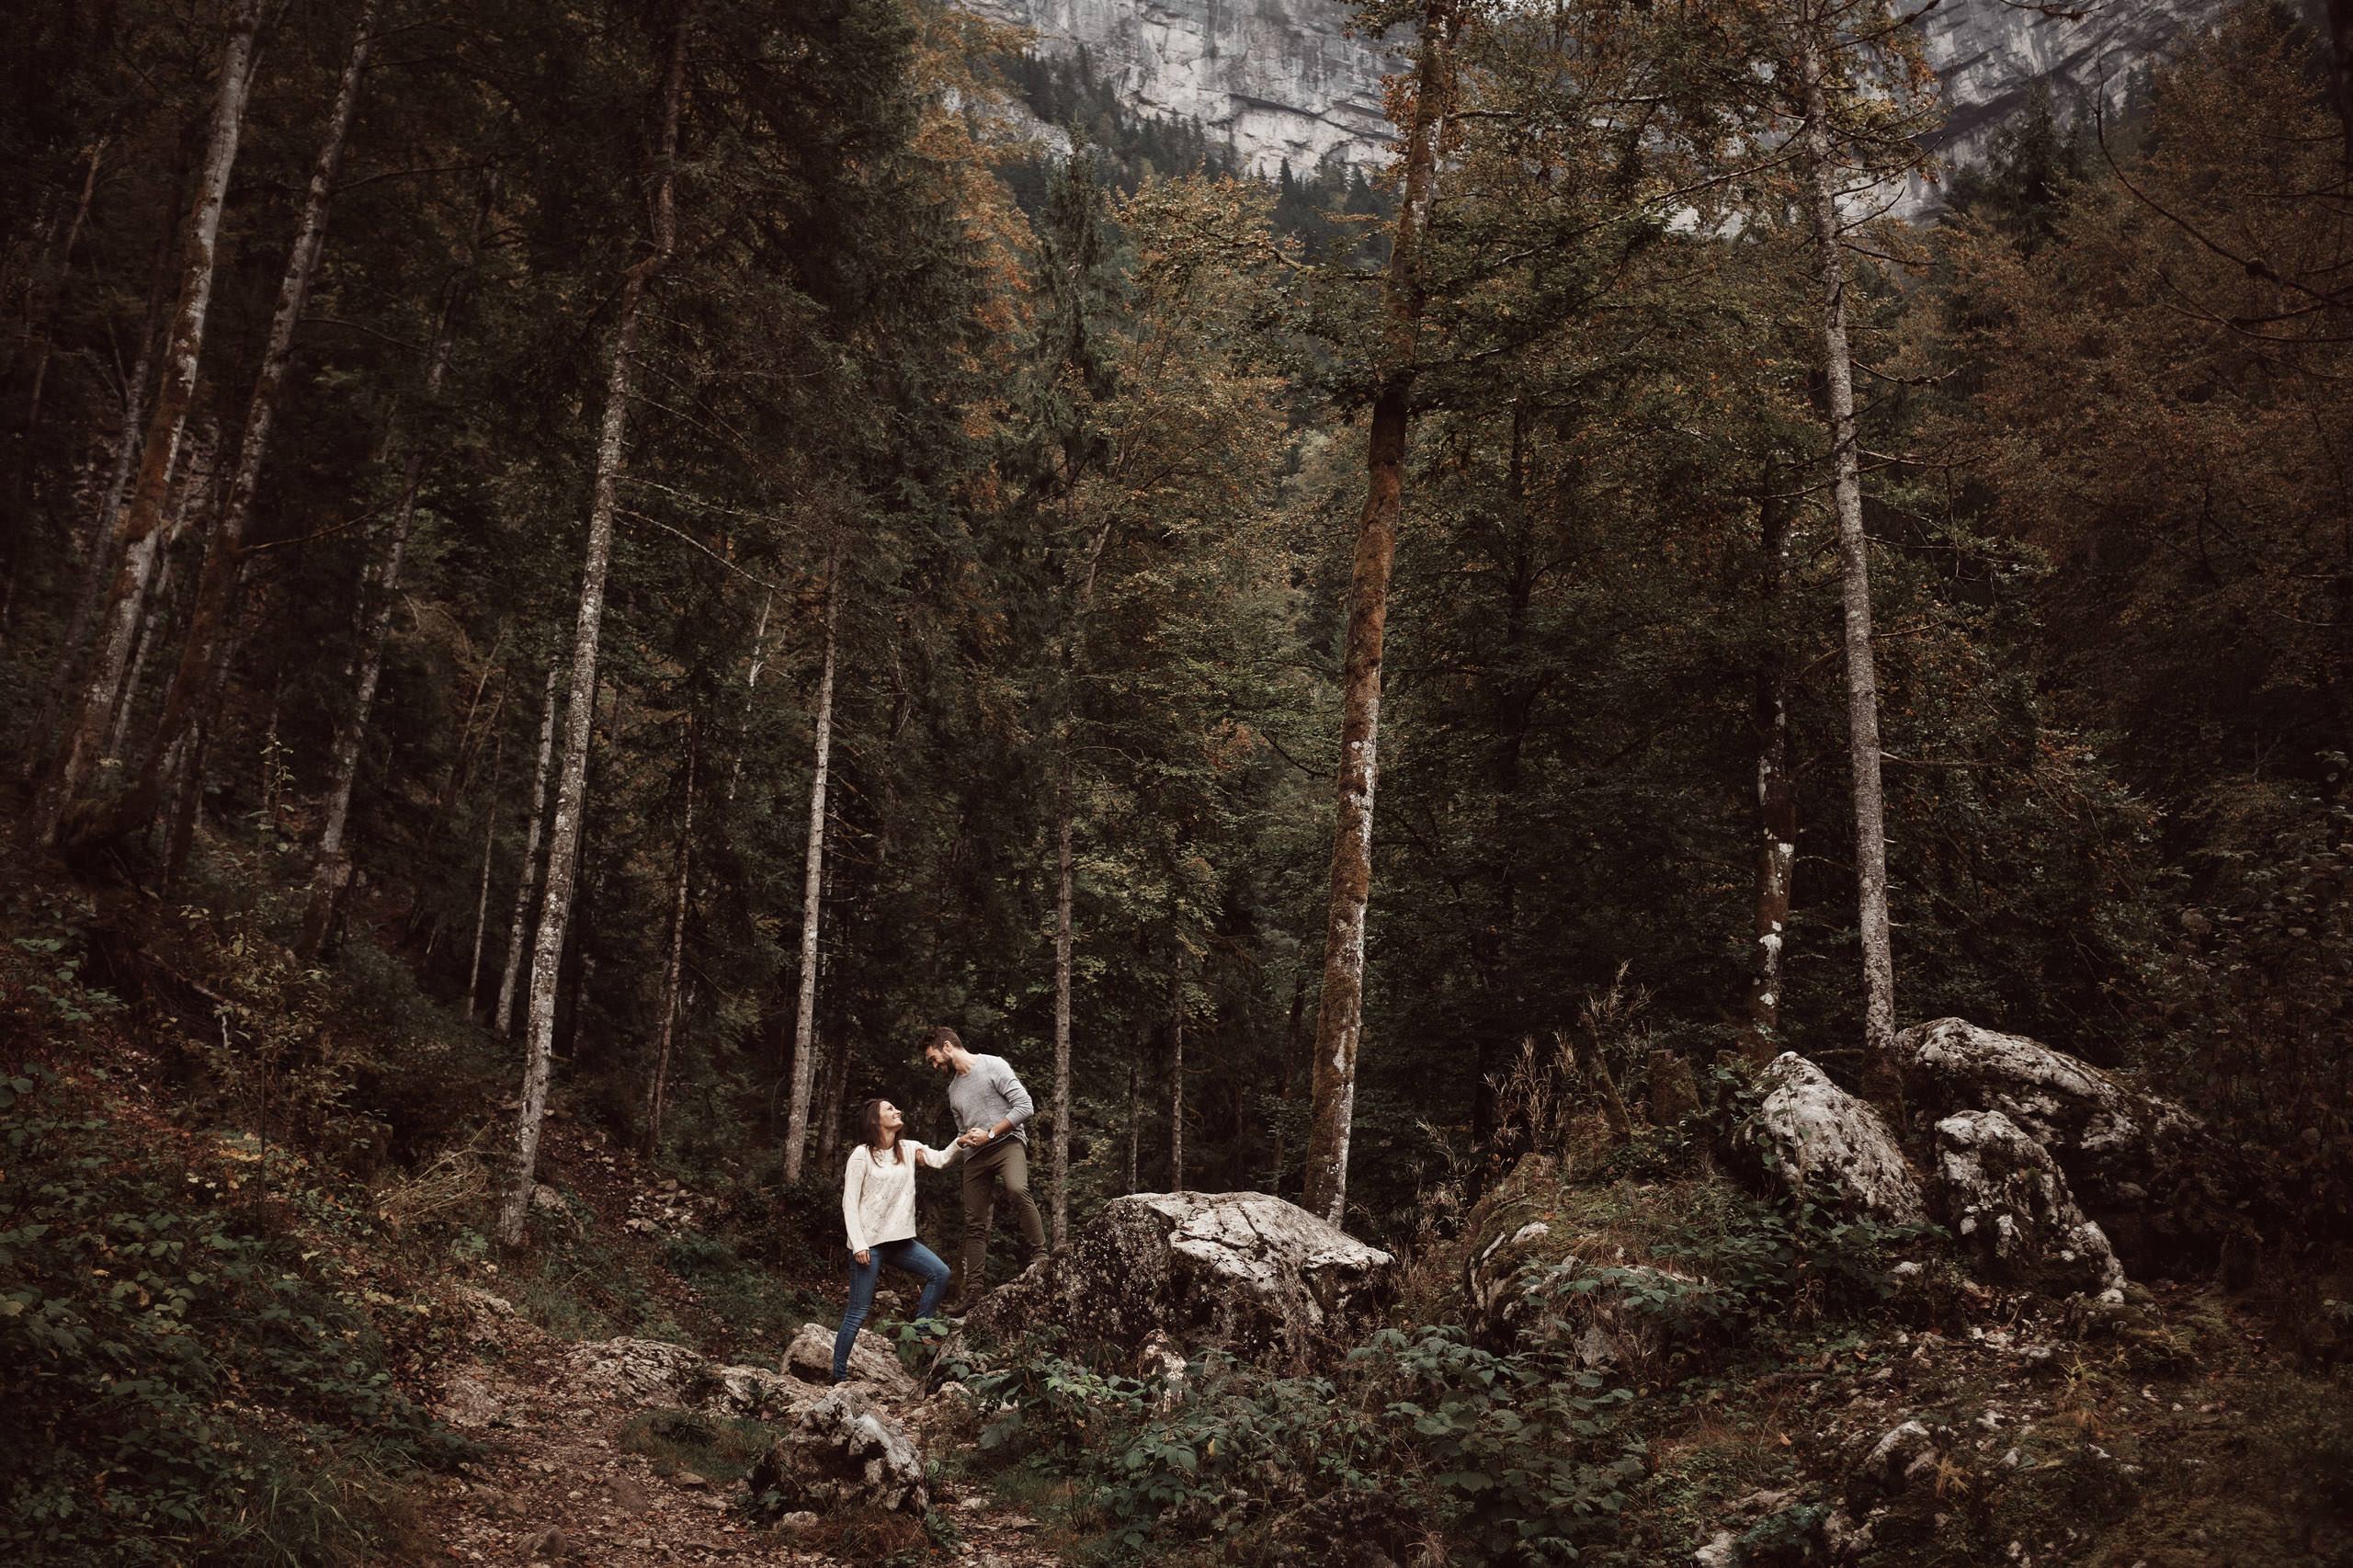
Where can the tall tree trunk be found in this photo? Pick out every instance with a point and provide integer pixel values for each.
(1135, 1098)
(481, 900)
(1880, 1082)
(187, 500)
(52, 301)
(334, 869)
(98, 556)
(1777, 792)
(208, 629)
(138, 535)
(655, 1094)
(555, 909)
(751, 686)
(813, 904)
(56, 291)
(1290, 1061)
(502, 1015)
(1064, 725)
(833, 1090)
(1339, 1023)
(2341, 67)
(1177, 1073)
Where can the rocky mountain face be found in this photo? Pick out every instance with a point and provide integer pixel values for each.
(1283, 80)
(1990, 54)
(1278, 79)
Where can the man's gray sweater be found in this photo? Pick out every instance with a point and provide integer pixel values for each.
(990, 1094)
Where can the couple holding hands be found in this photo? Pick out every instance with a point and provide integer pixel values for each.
(878, 1183)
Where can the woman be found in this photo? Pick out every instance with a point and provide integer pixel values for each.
(879, 1208)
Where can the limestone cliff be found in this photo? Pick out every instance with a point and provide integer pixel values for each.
(1278, 79)
(1283, 79)
(1990, 54)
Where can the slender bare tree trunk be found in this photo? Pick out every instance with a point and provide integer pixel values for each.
(208, 629)
(97, 560)
(1777, 793)
(1177, 1073)
(835, 1090)
(656, 1096)
(334, 869)
(2341, 67)
(813, 904)
(502, 1015)
(555, 909)
(1066, 723)
(138, 535)
(1135, 1097)
(56, 298)
(1339, 1023)
(751, 686)
(186, 502)
(1881, 1084)
(481, 900)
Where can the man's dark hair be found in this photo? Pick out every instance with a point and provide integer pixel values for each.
(941, 1035)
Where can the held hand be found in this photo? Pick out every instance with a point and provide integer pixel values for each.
(861, 1255)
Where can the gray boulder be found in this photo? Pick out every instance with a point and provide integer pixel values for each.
(841, 1451)
(1242, 1271)
(2007, 1201)
(810, 1357)
(649, 1373)
(2148, 1172)
(1809, 1124)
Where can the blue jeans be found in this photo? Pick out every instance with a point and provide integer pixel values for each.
(910, 1256)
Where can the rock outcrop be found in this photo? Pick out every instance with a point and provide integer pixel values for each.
(1243, 1271)
(2005, 1200)
(1989, 55)
(2143, 1169)
(649, 1373)
(810, 1356)
(1277, 80)
(1809, 1124)
(1284, 79)
(841, 1451)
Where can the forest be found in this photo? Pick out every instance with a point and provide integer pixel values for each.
(574, 581)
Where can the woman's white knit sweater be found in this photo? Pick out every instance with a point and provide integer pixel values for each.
(879, 1192)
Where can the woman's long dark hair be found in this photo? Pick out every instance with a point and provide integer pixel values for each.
(869, 1132)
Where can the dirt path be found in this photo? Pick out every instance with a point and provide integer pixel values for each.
(559, 1480)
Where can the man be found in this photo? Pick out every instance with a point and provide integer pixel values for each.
(989, 1105)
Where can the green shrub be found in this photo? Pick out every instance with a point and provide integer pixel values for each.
(184, 1383)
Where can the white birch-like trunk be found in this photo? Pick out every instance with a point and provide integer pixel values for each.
(203, 455)
(572, 784)
(1880, 1081)
(209, 633)
(138, 536)
(804, 1017)
(502, 1015)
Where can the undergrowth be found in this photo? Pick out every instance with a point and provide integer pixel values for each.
(200, 1385)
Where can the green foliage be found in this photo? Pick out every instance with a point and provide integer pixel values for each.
(201, 1386)
(1526, 1445)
